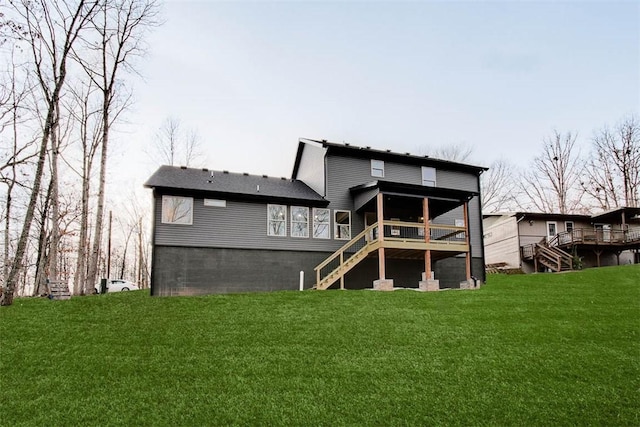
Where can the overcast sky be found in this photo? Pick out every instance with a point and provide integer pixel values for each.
(253, 77)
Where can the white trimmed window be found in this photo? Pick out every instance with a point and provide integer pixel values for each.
(428, 176)
(377, 168)
(276, 220)
(342, 225)
(299, 221)
(177, 210)
(321, 223)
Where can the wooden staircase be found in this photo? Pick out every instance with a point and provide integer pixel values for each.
(552, 257)
(344, 259)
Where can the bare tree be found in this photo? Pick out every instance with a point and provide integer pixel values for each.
(499, 187)
(121, 26)
(16, 153)
(85, 112)
(552, 182)
(460, 152)
(613, 175)
(174, 145)
(52, 28)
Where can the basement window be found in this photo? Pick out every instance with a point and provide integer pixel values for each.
(177, 210)
(276, 220)
(342, 225)
(377, 168)
(321, 223)
(299, 221)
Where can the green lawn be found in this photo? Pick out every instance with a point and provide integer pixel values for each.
(542, 349)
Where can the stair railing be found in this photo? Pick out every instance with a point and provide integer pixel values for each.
(342, 255)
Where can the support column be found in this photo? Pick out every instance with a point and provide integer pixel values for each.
(466, 233)
(427, 283)
(382, 284)
(427, 238)
(380, 213)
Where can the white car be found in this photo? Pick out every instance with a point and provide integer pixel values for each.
(118, 285)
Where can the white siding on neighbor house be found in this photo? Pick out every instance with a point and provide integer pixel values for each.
(534, 230)
(311, 168)
(501, 242)
(238, 225)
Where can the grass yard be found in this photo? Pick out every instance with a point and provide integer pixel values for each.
(544, 349)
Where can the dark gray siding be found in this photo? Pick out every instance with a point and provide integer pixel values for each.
(311, 170)
(199, 271)
(239, 225)
(457, 180)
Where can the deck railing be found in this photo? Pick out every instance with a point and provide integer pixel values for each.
(593, 236)
(347, 251)
(414, 231)
(444, 236)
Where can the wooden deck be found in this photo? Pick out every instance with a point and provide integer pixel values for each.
(402, 240)
(623, 239)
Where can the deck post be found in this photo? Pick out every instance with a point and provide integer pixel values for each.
(598, 253)
(342, 275)
(382, 284)
(466, 233)
(427, 238)
(380, 213)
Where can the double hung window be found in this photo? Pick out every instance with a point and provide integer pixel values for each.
(299, 221)
(342, 225)
(321, 223)
(276, 220)
(377, 168)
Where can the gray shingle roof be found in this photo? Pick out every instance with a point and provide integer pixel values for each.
(233, 185)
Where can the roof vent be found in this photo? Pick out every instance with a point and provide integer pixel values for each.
(245, 174)
(283, 178)
(183, 167)
(388, 151)
(265, 176)
(346, 144)
(225, 172)
(368, 147)
(408, 154)
(205, 170)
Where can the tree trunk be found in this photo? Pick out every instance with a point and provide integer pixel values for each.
(97, 235)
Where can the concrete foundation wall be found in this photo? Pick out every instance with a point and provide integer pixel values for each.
(200, 271)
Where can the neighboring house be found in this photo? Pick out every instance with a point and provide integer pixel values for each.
(350, 217)
(539, 241)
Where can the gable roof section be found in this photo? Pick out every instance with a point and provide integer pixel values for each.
(348, 150)
(234, 186)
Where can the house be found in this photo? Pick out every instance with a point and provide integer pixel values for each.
(349, 217)
(538, 241)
